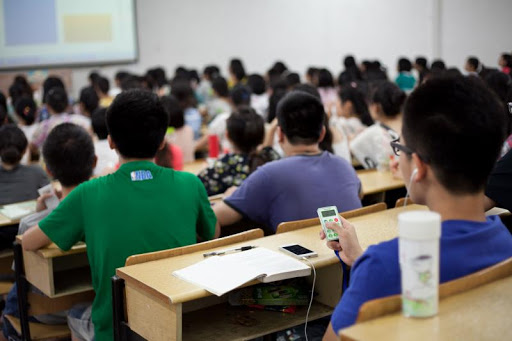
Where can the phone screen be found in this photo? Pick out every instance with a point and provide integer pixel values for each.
(329, 213)
(297, 249)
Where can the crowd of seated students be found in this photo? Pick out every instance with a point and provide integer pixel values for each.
(286, 149)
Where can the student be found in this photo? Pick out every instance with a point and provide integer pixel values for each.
(220, 102)
(107, 157)
(245, 132)
(259, 95)
(371, 147)
(505, 62)
(48, 84)
(57, 104)
(327, 90)
(140, 208)
(204, 91)
(499, 187)
(405, 80)
(294, 187)
(102, 88)
(26, 110)
(473, 66)
(351, 74)
(421, 65)
(69, 155)
(179, 134)
(185, 95)
(119, 78)
(18, 182)
(236, 72)
(89, 101)
(312, 75)
(354, 116)
(447, 174)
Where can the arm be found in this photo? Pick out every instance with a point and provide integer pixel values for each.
(225, 214)
(330, 335)
(348, 244)
(34, 239)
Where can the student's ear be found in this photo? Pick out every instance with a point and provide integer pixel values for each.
(162, 145)
(111, 143)
(280, 135)
(95, 161)
(322, 134)
(421, 168)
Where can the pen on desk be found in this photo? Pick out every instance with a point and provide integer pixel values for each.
(223, 252)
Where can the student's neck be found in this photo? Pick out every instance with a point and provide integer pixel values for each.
(8, 167)
(458, 207)
(123, 160)
(292, 150)
(66, 190)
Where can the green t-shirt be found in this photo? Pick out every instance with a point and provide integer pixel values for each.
(140, 208)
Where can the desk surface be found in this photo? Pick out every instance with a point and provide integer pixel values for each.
(53, 251)
(29, 205)
(374, 181)
(479, 314)
(195, 167)
(155, 277)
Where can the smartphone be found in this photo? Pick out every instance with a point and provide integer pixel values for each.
(326, 215)
(298, 251)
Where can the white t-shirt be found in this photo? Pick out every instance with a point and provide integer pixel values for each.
(29, 132)
(260, 104)
(106, 157)
(371, 147)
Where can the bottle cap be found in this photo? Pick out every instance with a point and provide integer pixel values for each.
(419, 225)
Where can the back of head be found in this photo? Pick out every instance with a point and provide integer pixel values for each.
(103, 85)
(3, 116)
(159, 76)
(89, 99)
(279, 67)
(120, 76)
(257, 84)
(137, 122)
(246, 129)
(438, 65)
(99, 123)
(26, 109)
(211, 71)
(452, 72)
(184, 93)
(325, 79)
(500, 83)
(93, 77)
(390, 98)
(50, 83)
(301, 118)
(292, 79)
(174, 110)
(273, 102)
(421, 62)
(69, 154)
(359, 104)
(310, 89)
(507, 59)
(3, 101)
(220, 86)
(131, 82)
(349, 62)
(404, 65)
(12, 144)
(457, 126)
(237, 69)
(57, 99)
(473, 62)
(240, 95)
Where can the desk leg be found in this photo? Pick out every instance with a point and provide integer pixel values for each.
(151, 318)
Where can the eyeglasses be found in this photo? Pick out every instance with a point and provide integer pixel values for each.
(397, 148)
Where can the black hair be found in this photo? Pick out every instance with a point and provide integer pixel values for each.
(99, 123)
(351, 72)
(301, 117)
(69, 154)
(358, 101)
(181, 73)
(310, 89)
(273, 101)
(193, 75)
(240, 95)
(349, 62)
(474, 62)
(93, 77)
(422, 61)
(26, 89)
(159, 76)
(438, 65)
(246, 129)
(184, 93)
(257, 84)
(237, 69)
(131, 82)
(57, 99)
(279, 67)
(507, 57)
(457, 126)
(501, 84)
(137, 122)
(390, 98)
(3, 101)
(312, 71)
(404, 65)
(26, 109)
(325, 79)
(211, 72)
(89, 99)
(121, 76)
(292, 79)
(174, 110)
(13, 143)
(16, 91)
(452, 72)
(50, 83)
(3, 116)
(220, 86)
(103, 85)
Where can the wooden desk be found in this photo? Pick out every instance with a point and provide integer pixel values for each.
(479, 314)
(29, 205)
(58, 273)
(374, 181)
(196, 166)
(163, 307)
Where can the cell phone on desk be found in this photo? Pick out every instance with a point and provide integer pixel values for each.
(298, 251)
(329, 214)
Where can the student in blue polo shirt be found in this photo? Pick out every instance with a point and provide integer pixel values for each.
(452, 134)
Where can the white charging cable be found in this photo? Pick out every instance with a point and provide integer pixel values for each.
(312, 294)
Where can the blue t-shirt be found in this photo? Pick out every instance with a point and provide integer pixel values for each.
(193, 120)
(466, 247)
(293, 188)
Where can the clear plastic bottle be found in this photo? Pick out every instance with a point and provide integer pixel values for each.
(419, 233)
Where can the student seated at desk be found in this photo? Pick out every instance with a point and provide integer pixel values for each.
(138, 209)
(451, 136)
(294, 187)
(107, 157)
(245, 132)
(69, 155)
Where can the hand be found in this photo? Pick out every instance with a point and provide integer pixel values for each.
(347, 245)
(230, 191)
(40, 205)
(394, 168)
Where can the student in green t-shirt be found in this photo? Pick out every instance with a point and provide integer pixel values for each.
(140, 208)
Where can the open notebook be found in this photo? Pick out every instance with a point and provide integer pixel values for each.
(221, 274)
(18, 210)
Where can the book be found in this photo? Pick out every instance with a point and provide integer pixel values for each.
(19, 210)
(221, 274)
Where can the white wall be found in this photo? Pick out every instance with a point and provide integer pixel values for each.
(313, 32)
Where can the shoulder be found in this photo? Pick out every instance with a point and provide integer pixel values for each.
(34, 169)
(381, 258)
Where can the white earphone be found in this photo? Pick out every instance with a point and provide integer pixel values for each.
(413, 174)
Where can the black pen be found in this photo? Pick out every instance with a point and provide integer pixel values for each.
(220, 253)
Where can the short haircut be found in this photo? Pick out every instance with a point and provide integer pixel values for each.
(12, 144)
(3, 101)
(89, 99)
(69, 154)
(349, 62)
(325, 79)
(438, 65)
(246, 129)
(301, 117)
(310, 89)
(257, 84)
(390, 98)
(99, 123)
(240, 95)
(457, 126)
(237, 69)
(50, 83)
(26, 108)
(57, 99)
(404, 65)
(103, 85)
(276, 96)
(292, 79)
(421, 61)
(184, 93)
(474, 62)
(220, 86)
(93, 77)
(174, 110)
(3, 116)
(211, 71)
(279, 67)
(121, 75)
(137, 122)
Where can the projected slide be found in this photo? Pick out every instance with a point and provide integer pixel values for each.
(61, 32)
